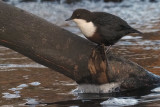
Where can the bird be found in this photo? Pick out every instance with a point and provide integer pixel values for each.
(104, 29)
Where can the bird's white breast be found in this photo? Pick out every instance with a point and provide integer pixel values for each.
(87, 28)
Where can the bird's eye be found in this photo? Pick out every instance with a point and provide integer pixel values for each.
(78, 15)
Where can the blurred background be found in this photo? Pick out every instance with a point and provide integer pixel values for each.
(23, 80)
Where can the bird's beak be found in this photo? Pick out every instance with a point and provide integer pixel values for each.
(68, 19)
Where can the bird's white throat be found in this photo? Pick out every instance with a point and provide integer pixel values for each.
(87, 28)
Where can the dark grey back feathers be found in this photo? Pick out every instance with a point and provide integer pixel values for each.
(111, 27)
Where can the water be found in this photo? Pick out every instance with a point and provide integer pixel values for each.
(120, 102)
(141, 15)
(23, 81)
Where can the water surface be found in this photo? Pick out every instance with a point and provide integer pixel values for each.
(24, 81)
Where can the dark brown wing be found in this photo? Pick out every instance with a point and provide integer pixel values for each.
(111, 27)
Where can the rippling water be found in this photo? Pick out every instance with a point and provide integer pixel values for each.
(23, 81)
(142, 15)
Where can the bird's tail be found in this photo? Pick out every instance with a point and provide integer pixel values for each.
(135, 31)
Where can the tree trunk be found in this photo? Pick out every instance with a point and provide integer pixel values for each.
(67, 53)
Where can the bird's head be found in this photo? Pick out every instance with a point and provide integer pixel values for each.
(80, 14)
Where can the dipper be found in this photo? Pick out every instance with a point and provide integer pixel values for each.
(100, 27)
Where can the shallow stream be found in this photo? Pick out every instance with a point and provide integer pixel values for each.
(24, 81)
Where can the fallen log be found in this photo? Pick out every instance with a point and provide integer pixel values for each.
(67, 53)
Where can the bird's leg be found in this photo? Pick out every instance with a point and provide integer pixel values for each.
(108, 48)
(103, 49)
(97, 47)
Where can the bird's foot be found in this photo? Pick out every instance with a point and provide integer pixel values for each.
(103, 48)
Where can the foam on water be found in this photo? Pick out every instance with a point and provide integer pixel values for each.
(105, 88)
(35, 83)
(150, 97)
(131, 37)
(32, 101)
(119, 102)
(156, 89)
(141, 42)
(17, 90)
(21, 66)
(22, 86)
(10, 96)
(26, 76)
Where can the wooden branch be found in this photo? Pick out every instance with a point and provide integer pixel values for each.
(67, 53)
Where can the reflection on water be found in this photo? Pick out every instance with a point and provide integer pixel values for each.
(31, 83)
